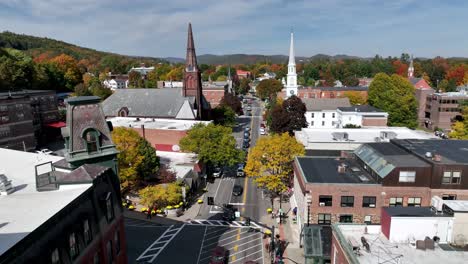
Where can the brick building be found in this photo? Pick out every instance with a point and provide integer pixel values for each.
(441, 110)
(395, 173)
(28, 118)
(162, 134)
(65, 210)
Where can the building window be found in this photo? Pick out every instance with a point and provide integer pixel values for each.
(91, 138)
(369, 201)
(414, 201)
(311, 123)
(368, 219)
(323, 123)
(312, 115)
(333, 115)
(96, 258)
(86, 232)
(451, 177)
(117, 242)
(346, 218)
(396, 201)
(325, 200)
(55, 257)
(20, 116)
(73, 246)
(323, 115)
(407, 176)
(449, 197)
(324, 219)
(110, 256)
(347, 201)
(109, 207)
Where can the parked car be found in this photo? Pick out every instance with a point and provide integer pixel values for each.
(246, 139)
(245, 145)
(45, 151)
(246, 134)
(247, 129)
(237, 190)
(217, 172)
(240, 170)
(229, 213)
(219, 255)
(262, 131)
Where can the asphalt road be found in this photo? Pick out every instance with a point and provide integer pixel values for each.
(194, 241)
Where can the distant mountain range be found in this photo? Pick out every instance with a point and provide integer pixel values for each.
(254, 58)
(36, 45)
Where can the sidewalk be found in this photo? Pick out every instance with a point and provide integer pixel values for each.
(288, 232)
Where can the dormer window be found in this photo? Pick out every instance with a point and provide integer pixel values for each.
(91, 137)
(123, 112)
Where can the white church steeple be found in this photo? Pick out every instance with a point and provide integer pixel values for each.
(411, 68)
(291, 81)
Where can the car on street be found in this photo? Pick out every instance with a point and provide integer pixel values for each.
(240, 170)
(219, 256)
(229, 213)
(245, 145)
(217, 172)
(262, 131)
(247, 139)
(247, 129)
(246, 134)
(237, 190)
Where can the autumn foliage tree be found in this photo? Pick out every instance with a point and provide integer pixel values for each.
(269, 88)
(288, 117)
(355, 97)
(269, 163)
(233, 102)
(137, 158)
(161, 195)
(460, 128)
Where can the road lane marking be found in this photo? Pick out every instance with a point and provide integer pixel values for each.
(233, 258)
(225, 238)
(236, 247)
(160, 248)
(221, 229)
(254, 246)
(201, 246)
(239, 240)
(254, 240)
(249, 255)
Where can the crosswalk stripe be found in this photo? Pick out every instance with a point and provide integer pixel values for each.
(239, 224)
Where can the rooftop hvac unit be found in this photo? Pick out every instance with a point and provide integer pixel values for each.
(6, 187)
(437, 203)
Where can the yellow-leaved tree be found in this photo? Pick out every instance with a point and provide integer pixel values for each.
(161, 195)
(269, 163)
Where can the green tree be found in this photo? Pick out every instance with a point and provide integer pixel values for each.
(395, 95)
(16, 70)
(224, 115)
(244, 86)
(269, 163)
(269, 88)
(214, 144)
(134, 79)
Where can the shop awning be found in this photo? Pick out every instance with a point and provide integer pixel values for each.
(57, 124)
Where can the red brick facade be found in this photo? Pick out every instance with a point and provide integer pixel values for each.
(162, 139)
(374, 121)
(213, 96)
(337, 252)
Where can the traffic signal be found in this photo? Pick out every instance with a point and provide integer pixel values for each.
(210, 200)
(247, 221)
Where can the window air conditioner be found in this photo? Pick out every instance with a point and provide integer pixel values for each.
(372, 205)
(321, 204)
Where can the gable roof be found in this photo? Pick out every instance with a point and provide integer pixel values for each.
(419, 83)
(318, 104)
(164, 102)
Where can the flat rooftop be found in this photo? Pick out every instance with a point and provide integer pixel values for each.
(26, 209)
(358, 135)
(451, 151)
(154, 123)
(179, 162)
(400, 211)
(325, 170)
(383, 251)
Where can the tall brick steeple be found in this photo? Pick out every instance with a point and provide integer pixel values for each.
(192, 76)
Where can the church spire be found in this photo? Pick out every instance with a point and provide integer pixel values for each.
(292, 61)
(191, 59)
(411, 68)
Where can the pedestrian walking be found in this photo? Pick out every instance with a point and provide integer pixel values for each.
(148, 214)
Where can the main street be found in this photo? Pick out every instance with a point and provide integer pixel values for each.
(195, 240)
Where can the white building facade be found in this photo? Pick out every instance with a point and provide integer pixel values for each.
(115, 84)
(323, 112)
(361, 116)
(291, 78)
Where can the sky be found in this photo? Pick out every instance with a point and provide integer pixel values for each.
(158, 28)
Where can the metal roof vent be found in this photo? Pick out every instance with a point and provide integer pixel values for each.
(428, 154)
(6, 187)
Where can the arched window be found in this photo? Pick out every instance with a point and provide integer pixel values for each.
(91, 137)
(123, 112)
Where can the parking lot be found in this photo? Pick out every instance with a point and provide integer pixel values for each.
(192, 242)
